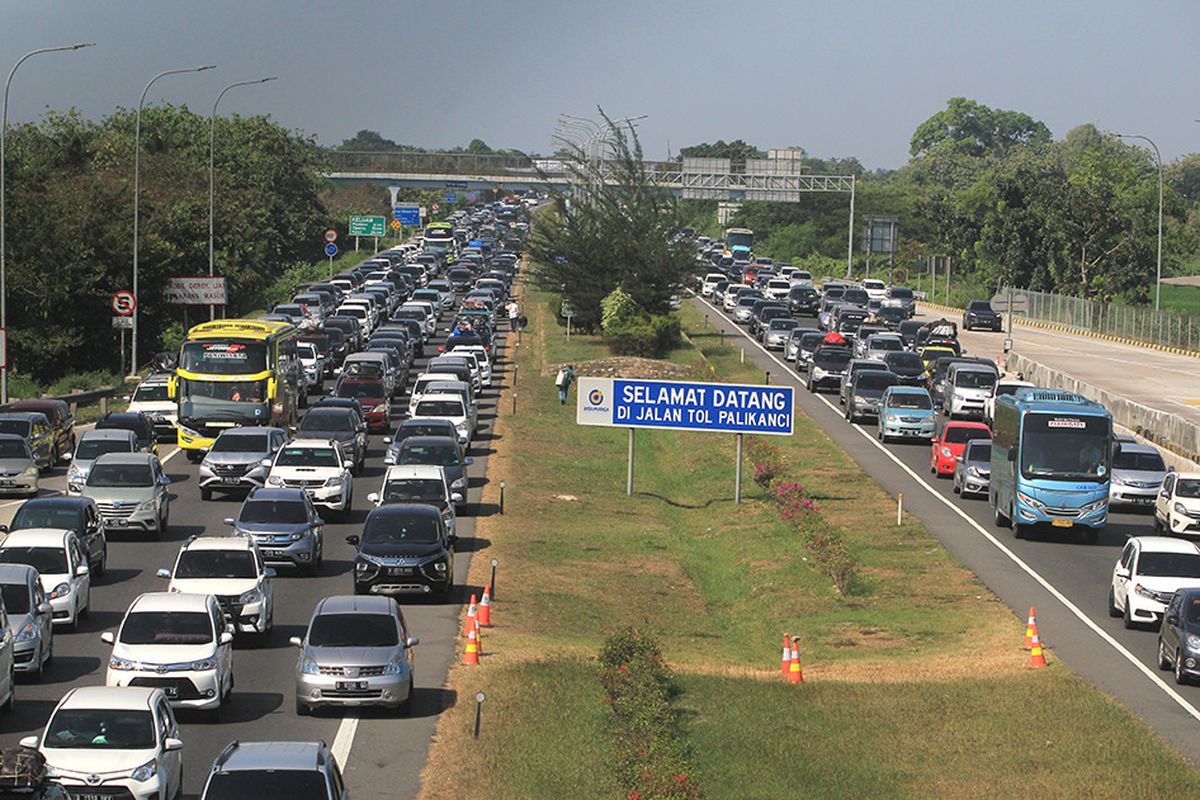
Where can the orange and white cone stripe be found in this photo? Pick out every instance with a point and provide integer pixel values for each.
(1037, 659)
(472, 610)
(484, 612)
(1030, 629)
(471, 654)
(794, 673)
(786, 663)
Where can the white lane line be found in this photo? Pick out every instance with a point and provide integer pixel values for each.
(1030, 571)
(343, 740)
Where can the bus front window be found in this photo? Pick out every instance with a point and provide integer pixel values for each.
(223, 358)
(228, 400)
(1065, 446)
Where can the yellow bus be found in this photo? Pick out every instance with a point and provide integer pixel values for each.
(235, 372)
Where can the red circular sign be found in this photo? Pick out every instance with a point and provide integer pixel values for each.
(330, 235)
(123, 303)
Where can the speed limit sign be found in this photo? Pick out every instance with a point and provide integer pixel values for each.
(123, 303)
(330, 235)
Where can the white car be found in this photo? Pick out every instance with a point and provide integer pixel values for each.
(420, 483)
(421, 387)
(313, 363)
(105, 741)
(481, 359)
(360, 311)
(778, 288)
(431, 314)
(1003, 386)
(150, 398)
(318, 466)
(62, 567)
(875, 288)
(1177, 506)
(1147, 574)
(176, 642)
(711, 280)
(449, 407)
(232, 569)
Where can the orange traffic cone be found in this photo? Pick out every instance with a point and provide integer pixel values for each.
(478, 636)
(484, 613)
(1037, 659)
(471, 611)
(471, 654)
(786, 664)
(1030, 629)
(794, 673)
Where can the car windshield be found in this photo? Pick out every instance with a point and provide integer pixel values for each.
(91, 449)
(445, 455)
(810, 340)
(1169, 565)
(979, 450)
(241, 443)
(360, 389)
(46, 560)
(255, 784)
(904, 360)
(979, 305)
(16, 598)
(101, 729)
(975, 379)
(20, 427)
(120, 476)
(874, 381)
(39, 515)
(151, 394)
(439, 408)
(960, 435)
(400, 529)
(234, 401)
(306, 350)
(414, 490)
(215, 564)
(283, 512)
(167, 627)
(14, 448)
(358, 629)
(833, 356)
(336, 421)
(784, 324)
(1188, 488)
(1133, 460)
(889, 344)
(307, 457)
(899, 293)
(373, 369)
(910, 400)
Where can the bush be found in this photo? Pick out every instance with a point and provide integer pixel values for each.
(617, 309)
(647, 336)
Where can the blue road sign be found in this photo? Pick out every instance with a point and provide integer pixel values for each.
(456, 185)
(407, 215)
(331, 249)
(451, 197)
(678, 405)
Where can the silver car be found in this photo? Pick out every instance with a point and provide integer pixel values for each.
(18, 472)
(30, 617)
(130, 489)
(234, 463)
(778, 331)
(285, 525)
(92, 445)
(1138, 473)
(357, 652)
(973, 470)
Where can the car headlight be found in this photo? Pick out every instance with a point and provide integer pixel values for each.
(1192, 641)
(62, 590)
(860, 400)
(891, 417)
(393, 667)
(146, 771)
(149, 505)
(252, 596)
(461, 427)
(458, 484)
(308, 665)
(1143, 591)
(28, 631)
(817, 372)
(1118, 480)
(121, 664)
(947, 453)
(1029, 501)
(30, 472)
(295, 537)
(205, 664)
(274, 480)
(336, 480)
(1180, 508)
(973, 472)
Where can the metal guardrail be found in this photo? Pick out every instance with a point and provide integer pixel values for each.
(101, 396)
(1167, 328)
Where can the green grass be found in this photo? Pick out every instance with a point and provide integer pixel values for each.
(1184, 299)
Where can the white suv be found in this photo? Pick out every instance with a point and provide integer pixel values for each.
(875, 288)
(176, 642)
(113, 742)
(420, 483)
(62, 567)
(1146, 576)
(1177, 506)
(481, 359)
(318, 466)
(446, 406)
(150, 397)
(230, 567)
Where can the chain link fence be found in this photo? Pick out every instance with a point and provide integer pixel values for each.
(1143, 324)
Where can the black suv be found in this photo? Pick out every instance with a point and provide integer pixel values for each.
(405, 548)
(72, 513)
(979, 314)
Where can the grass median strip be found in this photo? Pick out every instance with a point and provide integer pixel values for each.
(917, 651)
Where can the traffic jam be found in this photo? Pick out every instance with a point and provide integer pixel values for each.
(377, 373)
(1048, 463)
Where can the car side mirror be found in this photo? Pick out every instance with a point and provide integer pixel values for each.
(266, 462)
(387, 440)
(172, 744)
(108, 638)
(456, 497)
(1172, 619)
(82, 570)
(3, 528)
(45, 608)
(269, 572)
(352, 540)
(1122, 572)
(228, 521)
(318, 522)
(67, 456)
(226, 637)
(164, 481)
(29, 742)
(373, 497)
(469, 460)
(296, 641)
(163, 573)
(959, 459)
(412, 641)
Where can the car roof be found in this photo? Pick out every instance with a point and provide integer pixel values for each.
(57, 501)
(155, 379)
(417, 471)
(36, 537)
(25, 415)
(902, 389)
(441, 396)
(16, 573)
(406, 510)
(250, 430)
(114, 697)
(277, 494)
(122, 416)
(310, 442)
(127, 458)
(170, 601)
(239, 756)
(1138, 447)
(1165, 544)
(964, 424)
(367, 603)
(107, 433)
(218, 543)
(11, 437)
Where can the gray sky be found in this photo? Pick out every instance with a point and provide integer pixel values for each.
(836, 77)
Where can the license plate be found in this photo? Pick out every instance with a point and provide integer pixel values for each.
(7, 483)
(120, 523)
(231, 480)
(269, 553)
(1062, 523)
(400, 571)
(351, 686)
(85, 796)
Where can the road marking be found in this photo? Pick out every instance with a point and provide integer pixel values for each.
(343, 740)
(1028, 570)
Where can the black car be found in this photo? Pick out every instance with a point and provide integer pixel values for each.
(827, 365)
(136, 421)
(866, 391)
(343, 424)
(66, 512)
(903, 298)
(1179, 636)
(908, 332)
(856, 296)
(760, 324)
(350, 327)
(405, 548)
(892, 316)
(908, 367)
(979, 314)
(803, 300)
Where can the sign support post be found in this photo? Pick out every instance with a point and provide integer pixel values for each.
(122, 351)
(629, 468)
(737, 480)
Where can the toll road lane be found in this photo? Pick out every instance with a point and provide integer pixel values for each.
(1066, 581)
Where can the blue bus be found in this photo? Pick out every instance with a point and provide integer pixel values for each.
(1051, 461)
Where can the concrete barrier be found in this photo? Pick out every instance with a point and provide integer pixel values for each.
(1179, 440)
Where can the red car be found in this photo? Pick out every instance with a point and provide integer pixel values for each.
(371, 394)
(948, 445)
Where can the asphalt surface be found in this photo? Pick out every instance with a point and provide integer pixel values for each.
(382, 755)
(1066, 581)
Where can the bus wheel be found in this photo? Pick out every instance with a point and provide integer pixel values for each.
(1019, 530)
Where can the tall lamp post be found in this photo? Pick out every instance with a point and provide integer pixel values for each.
(137, 165)
(3, 226)
(212, 139)
(1158, 159)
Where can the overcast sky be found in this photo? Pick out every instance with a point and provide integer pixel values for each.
(836, 77)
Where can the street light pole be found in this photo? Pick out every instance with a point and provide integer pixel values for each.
(137, 164)
(1158, 159)
(3, 225)
(212, 140)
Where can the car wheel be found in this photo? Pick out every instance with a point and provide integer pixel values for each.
(1113, 611)
(405, 708)
(1127, 616)
(1181, 677)
(1163, 661)
(205, 494)
(102, 564)
(956, 488)
(313, 567)
(82, 613)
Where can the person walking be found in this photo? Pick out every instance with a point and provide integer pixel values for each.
(566, 374)
(514, 314)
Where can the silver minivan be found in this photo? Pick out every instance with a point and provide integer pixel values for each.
(30, 617)
(130, 489)
(967, 387)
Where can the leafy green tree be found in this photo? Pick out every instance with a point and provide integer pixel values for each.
(369, 140)
(737, 150)
(973, 129)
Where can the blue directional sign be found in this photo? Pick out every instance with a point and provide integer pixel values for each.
(407, 215)
(678, 405)
(331, 249)
(451, 197)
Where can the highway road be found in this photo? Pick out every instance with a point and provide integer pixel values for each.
(382, 755)
(1165, 381)
(1065, 580)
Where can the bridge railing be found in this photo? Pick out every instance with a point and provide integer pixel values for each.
(428, 163)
